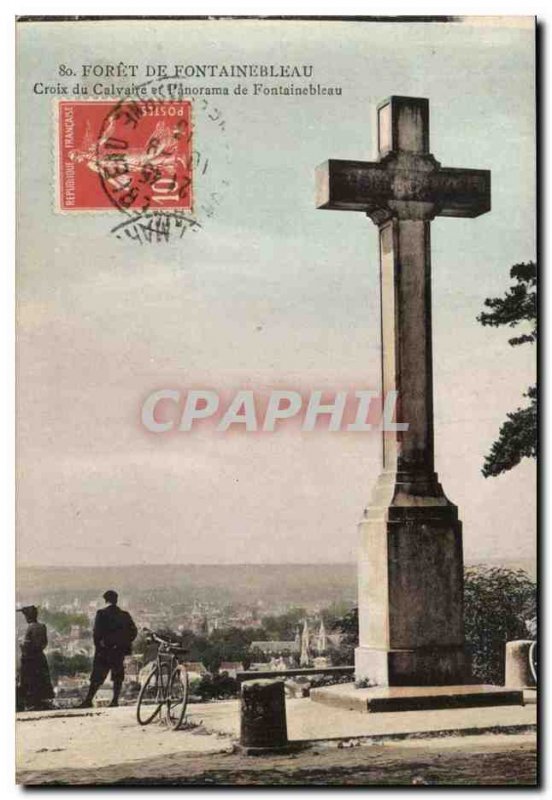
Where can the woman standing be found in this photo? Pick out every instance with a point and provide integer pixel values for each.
(35, 686)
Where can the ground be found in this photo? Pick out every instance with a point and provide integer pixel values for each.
(107, 746)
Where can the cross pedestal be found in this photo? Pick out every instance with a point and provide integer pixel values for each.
(411, 566)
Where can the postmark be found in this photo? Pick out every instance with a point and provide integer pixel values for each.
(140, 156)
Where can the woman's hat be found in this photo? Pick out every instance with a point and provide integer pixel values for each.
(28, 610)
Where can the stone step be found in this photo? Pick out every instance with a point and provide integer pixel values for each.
(415, 698)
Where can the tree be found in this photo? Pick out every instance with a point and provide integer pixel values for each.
(499, 605)
(283, 627)
(225, 644)
(62, 665)
(218, 687)
(63, 622)
(231, 644)
(333, 613)
(348, 627)
(517, 437)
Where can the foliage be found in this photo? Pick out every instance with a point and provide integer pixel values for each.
(317, 681)
(517, 436)
(498, 605)
(519, 304)
(365, 683)
(333, 614)
(283, 627)
(258, 656)
(61, 664)
(62, 621)
(217, 687)
(348, 627)
(231, 644)
(225, 644)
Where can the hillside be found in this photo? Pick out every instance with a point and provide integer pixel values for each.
(270, 584)
(242, 583)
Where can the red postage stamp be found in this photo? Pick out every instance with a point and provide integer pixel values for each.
(131, 155)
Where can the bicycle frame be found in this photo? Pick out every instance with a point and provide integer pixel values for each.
(166, 674)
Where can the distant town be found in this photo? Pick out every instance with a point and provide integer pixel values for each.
(228, 618)
(222, 636)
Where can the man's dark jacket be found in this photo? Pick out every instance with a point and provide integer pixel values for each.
(114, 629)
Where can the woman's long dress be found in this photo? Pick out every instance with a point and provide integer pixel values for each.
(35, 685)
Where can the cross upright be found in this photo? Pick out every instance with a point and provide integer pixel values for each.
(410, 564)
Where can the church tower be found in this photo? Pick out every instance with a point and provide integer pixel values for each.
(321, 643)
(305, 659)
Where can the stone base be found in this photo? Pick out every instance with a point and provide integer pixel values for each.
(428, 666)
(518, 673)
(410, 593)
(290, 747)
(530, 697)
(414, 698)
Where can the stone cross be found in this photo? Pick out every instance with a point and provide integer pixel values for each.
(411, 565)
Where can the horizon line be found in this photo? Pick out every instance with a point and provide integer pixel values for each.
(237, 564)
(192, 564)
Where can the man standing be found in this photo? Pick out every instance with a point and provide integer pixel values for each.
(114, 632)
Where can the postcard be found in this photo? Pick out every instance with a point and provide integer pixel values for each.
(276, 401)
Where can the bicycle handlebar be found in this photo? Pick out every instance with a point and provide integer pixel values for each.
(162, 641)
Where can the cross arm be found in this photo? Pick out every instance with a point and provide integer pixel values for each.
(368, 186)
(461, 192)
(351, 185)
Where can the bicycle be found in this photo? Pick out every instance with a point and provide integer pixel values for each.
(166, 684)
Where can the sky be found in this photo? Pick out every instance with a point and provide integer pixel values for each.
(269, 293)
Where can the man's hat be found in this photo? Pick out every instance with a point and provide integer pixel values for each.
(28, 610)
(110, 596)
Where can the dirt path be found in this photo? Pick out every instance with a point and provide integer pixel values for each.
(482, 760)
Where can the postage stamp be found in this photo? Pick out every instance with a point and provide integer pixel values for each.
(129, 155)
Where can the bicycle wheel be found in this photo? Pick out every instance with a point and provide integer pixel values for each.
(533, 661)
(178, 697)
(153, 695)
